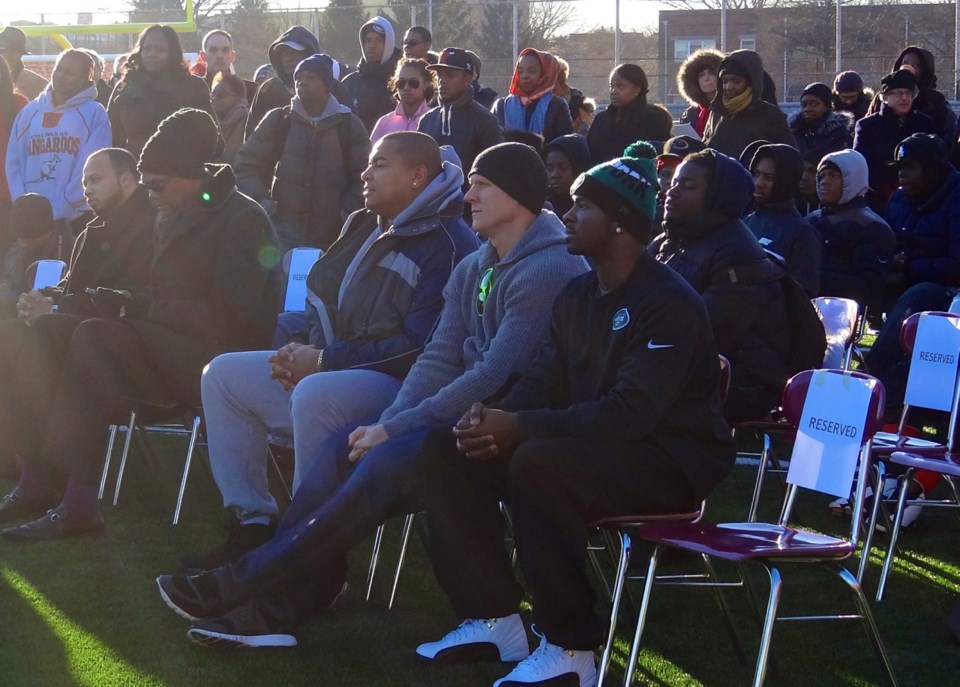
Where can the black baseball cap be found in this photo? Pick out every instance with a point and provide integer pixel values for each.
(454, 58)
(924, 149)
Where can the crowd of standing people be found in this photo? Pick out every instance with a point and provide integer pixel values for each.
(426, 369)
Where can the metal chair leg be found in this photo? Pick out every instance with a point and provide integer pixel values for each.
(194, 432)
(131, 423)
(872, 524)
(769, 620)
(869, 624)
(405, 539)
(374, 557)
(641, 617)
(279, 473)
(724, 609)
(618, 584)
(106, 461)
(903, 486)
(761, 473)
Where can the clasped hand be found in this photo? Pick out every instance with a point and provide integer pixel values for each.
(484, 433)
(292, 363)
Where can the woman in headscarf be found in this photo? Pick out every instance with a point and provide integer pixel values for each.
(531, 105)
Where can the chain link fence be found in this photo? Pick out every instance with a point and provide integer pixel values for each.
(797, 40)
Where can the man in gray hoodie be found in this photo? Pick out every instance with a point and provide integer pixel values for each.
(493, 323)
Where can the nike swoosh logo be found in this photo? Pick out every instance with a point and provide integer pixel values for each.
(652, 346)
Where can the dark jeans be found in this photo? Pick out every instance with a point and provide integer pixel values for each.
(90, 371)
(886, 361)
(555, 486)
(338, 505)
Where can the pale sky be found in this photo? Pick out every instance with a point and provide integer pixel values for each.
(634, 14)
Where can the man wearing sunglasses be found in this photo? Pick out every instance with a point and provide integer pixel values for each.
(416, 44)
(492, 325)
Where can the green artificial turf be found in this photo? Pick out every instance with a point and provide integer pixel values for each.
(86, 611)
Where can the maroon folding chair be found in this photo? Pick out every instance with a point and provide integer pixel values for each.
(775, 545)
(887, 443)
(621, 528)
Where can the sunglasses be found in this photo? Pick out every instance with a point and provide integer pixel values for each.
(483, 290)
(403, 83)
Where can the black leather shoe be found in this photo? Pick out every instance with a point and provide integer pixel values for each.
(56, 524)
(14, 506)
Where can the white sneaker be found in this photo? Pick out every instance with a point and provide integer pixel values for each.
(552, 665)
(910, 515)
(494, 639)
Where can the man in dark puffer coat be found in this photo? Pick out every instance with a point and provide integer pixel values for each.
(707, 243)
(303, 162)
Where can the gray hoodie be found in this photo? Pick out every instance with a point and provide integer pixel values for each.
(471, 357)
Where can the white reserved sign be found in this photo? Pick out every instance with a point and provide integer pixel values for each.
(49, 273)
(933, 366)
(301, 260)
(830, 433)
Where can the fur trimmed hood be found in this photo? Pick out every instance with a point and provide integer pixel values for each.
(687, 83)
(835, 120)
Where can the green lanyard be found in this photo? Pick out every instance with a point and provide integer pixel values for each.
(483, 290)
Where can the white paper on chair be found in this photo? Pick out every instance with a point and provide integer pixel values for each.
(49, 273)
(301, 261)
(684, 130)
(830, 433)
(933, 365)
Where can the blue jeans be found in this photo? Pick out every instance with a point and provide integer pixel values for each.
(333, 511)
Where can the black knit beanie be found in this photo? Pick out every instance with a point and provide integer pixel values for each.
(517, 170)
(625, 188)
(902, 78)
(734, 68)
(181, 145)
(31, 216)
(821, 91)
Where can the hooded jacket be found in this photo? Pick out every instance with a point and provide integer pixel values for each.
(574, 147)
(857, 244)
(759, 121)
(398, 121)
(310, 166)
(473, 356)
(688, 85)
(929, 100)
(278, 90)
(208, 281)
(876, 137)
(719, 256)
(778, 225)
(465, 125)
(49, 144)
(928, 233)
(139, 103)
(374, 298)
(366, 88)
(617, 127)
(833, 131)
